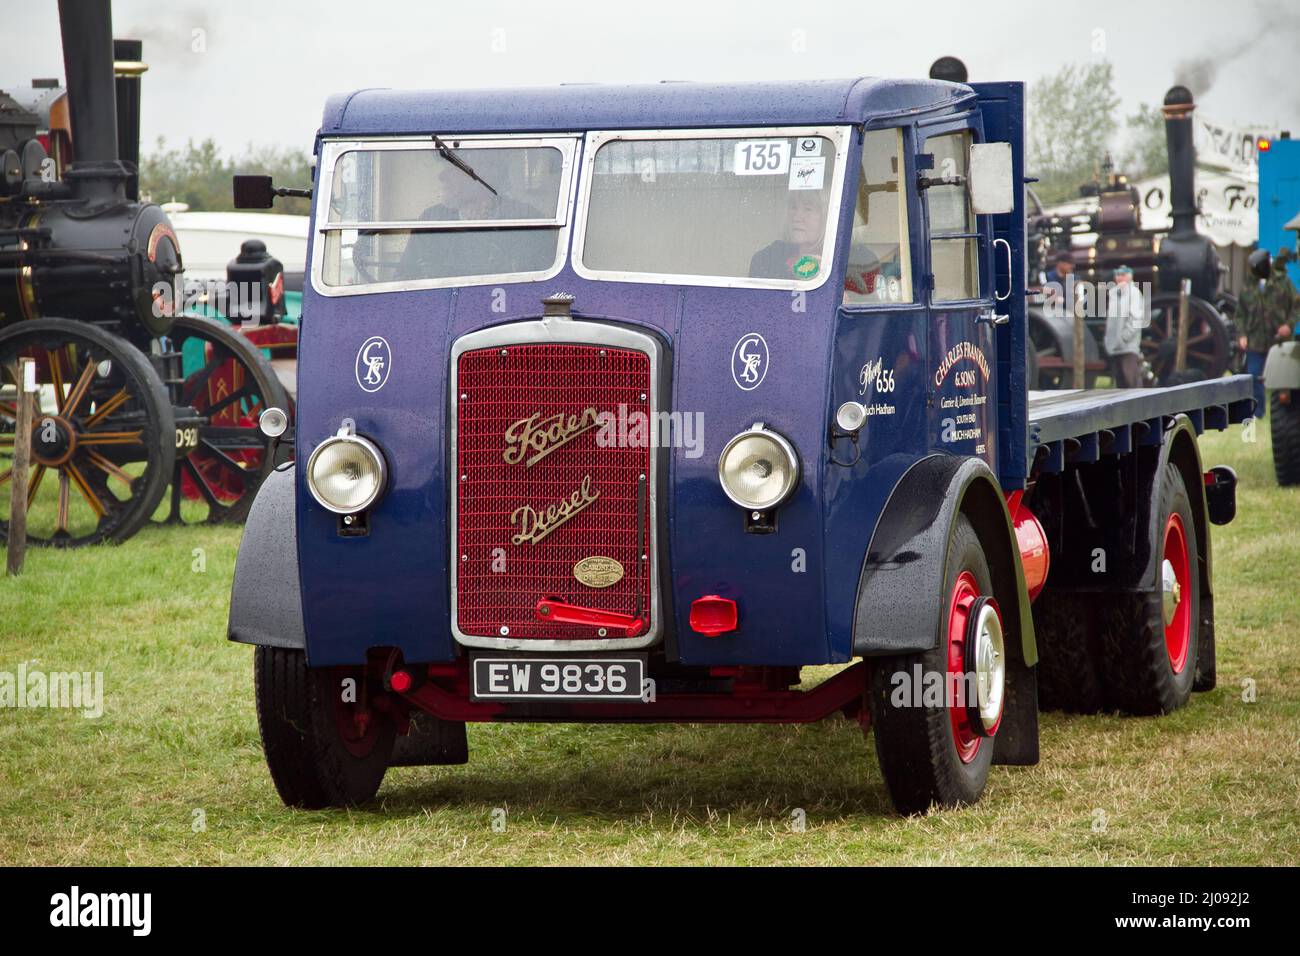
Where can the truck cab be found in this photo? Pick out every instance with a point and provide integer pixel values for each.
(628, 403)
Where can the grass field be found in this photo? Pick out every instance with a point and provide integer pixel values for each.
(172, 772)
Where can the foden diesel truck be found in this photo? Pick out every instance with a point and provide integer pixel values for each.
(629, 403)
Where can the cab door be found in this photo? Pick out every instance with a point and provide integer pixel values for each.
(962, 381)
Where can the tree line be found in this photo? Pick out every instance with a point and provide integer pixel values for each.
(198, 175)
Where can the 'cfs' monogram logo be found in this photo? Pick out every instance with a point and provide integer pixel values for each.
(374, 360)
(749, 361)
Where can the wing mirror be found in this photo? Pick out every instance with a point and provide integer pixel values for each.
(257, 192)
(992, 189)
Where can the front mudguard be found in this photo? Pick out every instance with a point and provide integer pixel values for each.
(266, 600)
(901, 600)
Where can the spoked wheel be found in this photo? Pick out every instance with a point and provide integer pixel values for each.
(1046, 367)
(935, 742)
(103, 443)
(222, 457)
(1209, 348)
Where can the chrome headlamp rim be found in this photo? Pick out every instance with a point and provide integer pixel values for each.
(787, 449)
(367, 445)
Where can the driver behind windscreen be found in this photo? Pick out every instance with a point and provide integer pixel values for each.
(481, 251)
(797, 254)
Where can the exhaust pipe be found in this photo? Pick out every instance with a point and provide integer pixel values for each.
(1184, 253)
(97, 175)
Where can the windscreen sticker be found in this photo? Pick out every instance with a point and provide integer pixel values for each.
(808, 173)
(761, 157)
(808, 146)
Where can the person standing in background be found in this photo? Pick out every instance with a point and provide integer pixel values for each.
(1062, 268)
(1265, 308)
(1126, 316)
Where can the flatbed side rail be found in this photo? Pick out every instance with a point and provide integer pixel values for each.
(1080, 426)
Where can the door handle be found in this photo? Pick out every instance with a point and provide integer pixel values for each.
(1010, 283)
(993, 318)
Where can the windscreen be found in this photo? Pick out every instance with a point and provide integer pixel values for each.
(744, 207)
(413, 214)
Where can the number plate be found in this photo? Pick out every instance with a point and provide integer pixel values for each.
(558, 678)
(187, 439)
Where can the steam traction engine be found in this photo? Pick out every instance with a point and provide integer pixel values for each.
(1162, 261)
(134, 397)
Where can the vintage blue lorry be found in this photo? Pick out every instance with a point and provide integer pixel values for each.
(629, 403)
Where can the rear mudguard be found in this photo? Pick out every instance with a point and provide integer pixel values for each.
(265, 600)
(1282, 367)
(900, 603)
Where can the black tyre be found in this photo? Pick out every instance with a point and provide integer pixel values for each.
(1149, 642)
(1284, 427)
(1069, 677)
(323, 749)
(927, 755)
(104, 440)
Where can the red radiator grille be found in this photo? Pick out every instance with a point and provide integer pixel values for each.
(498, 387)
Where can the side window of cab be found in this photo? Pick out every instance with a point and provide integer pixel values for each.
(954, 234)
(879, 266)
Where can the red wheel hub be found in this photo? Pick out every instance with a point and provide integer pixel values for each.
(357, 725)
(964, 593)
(1176, 577)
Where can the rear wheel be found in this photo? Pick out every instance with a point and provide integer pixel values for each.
(325, 744)
(1150, 641)
(935, 746)
(1284, 427)
(1068, 673)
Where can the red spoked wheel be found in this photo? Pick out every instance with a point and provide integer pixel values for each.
(224, 456)
(1176, 573)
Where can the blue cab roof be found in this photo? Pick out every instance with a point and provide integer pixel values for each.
(648, 106)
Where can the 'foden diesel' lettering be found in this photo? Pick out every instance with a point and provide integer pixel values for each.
(543, 437)
(536, 523)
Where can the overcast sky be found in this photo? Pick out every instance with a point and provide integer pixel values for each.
(247, 72)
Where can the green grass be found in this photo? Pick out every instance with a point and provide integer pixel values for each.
(1214, 783)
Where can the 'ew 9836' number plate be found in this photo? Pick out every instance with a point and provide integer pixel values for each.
(558, 678)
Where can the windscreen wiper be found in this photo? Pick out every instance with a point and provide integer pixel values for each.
(450, 156)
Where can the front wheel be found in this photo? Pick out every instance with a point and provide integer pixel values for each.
(934, 741)
(325, 744)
